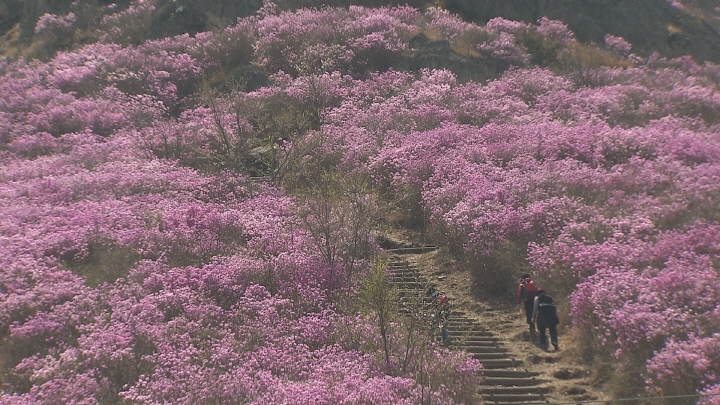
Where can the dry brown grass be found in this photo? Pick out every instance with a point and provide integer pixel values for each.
(10, 43)
(465, 45)
(466, 51)
(582, 62)
(586, 56)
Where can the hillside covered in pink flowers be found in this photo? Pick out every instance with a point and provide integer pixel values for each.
(140, 263)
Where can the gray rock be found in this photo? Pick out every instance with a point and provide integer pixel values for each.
(644, 23)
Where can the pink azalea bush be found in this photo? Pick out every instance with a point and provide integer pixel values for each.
(131, 276)
(326, 40)
(590, 185)
(50, 22)
(141, 264)
(617, 44)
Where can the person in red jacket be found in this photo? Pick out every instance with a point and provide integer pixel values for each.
(526, 293)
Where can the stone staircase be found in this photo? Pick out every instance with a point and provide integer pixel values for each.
(503, 379)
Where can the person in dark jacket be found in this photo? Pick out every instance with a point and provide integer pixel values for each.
(545, 316)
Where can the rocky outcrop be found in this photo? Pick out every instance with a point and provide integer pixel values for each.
(174, 17)
(650, 25)
(427, 54)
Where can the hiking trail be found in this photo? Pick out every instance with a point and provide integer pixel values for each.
(515, 369)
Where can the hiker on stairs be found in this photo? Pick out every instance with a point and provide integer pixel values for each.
(440, 309)
(526, 292)
(545, 313)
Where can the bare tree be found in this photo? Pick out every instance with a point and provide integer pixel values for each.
(340, 213)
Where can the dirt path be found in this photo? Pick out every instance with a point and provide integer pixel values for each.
(568, 380)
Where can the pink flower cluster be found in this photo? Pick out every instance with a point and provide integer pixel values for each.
(51, 22)
(618, 44)
(317, 41)
(135, 270)
(612, 189)
(498, 39)
(130, 276)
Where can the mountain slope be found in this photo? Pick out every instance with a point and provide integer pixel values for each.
(672, 30)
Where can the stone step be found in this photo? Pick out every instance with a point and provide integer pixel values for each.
(408, 282)
(461, 322)
(416, 295)
(404, 272)
(513, 398)
(510, 402)
(501, 363)
(412, 250)
(482, 349)
(511, 381)
(477, 348)
(482, 356)
(401, 279)
(473, 339)
(469, 336)
(411, 292)
(539, 389)
(490, 344)
(400, 288)
(480, 335)
(509, 373)
(416, 299)
(470, 332)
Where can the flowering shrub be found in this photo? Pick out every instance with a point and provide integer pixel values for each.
(687, 367)
(617, 44)
(129, 26)
(555, 30)
(131, 276)
(50, 22)
(587, 184)
(141, 264)
(319, 41)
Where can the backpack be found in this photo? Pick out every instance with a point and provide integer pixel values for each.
(442, 300)
(443, 306)
(529, 288)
